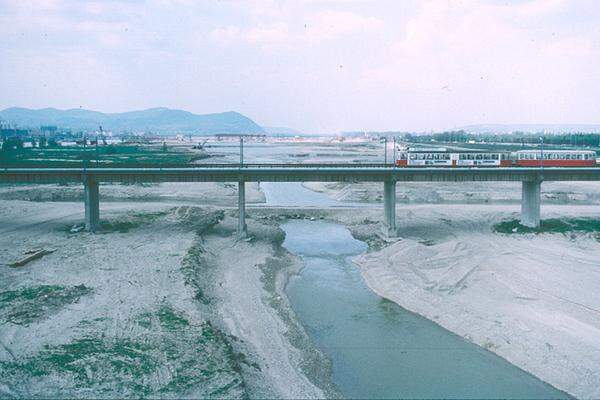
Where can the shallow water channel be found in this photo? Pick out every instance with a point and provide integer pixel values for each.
(377, 348)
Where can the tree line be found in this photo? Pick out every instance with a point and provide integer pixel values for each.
(570, 139)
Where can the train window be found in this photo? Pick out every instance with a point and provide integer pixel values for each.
(579, 156)
(568, 157)
(494, 156)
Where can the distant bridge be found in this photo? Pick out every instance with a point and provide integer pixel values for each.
(531, 179)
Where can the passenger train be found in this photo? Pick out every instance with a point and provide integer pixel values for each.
(522, 158)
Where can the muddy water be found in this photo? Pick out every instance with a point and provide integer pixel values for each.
(378, 349)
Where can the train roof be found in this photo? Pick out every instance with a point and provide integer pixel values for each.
(556, 151)
(495, 151)
(453, 151)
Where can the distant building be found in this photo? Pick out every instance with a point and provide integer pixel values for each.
(14, 132)
(48, 129)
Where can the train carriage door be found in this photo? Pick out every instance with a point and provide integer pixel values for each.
(453, 159)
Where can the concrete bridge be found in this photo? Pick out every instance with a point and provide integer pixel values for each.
(531, 179)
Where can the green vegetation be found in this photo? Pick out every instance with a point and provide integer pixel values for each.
(31, 304)
(125, 223)
(130, 221)
(170, 320)
(523, 138)
(171, 356)
(554, 225)
(113, 156)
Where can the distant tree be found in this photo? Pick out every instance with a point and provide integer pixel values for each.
(18, 143)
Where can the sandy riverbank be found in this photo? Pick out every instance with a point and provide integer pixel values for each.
(528, 298)
(164, 302)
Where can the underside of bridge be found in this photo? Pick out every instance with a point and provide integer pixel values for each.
(530, 203)
(242, 227)
(92, 204)
(530, 206)
(389, 209)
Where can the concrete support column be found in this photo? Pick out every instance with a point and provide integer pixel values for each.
(242, 229)
(389, 208)
(530, 203)
(92, 204)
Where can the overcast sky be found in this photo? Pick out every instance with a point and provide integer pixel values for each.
(317, 66)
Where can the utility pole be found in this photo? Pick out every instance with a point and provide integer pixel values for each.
(542, 152)
(241, 152)
(84, 152)
(394, 152)
(101, 132)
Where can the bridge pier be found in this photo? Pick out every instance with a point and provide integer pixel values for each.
(389, 208)
(91, 199)
(530, 203)
(242, 231)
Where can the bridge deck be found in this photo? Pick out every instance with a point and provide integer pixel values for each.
(296, 173)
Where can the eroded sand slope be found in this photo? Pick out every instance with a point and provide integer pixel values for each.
(533, 299)
(164, 302)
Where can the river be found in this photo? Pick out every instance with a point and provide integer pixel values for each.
(377, 348)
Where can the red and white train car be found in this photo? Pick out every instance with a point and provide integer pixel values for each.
(522, 158)
(555, 158)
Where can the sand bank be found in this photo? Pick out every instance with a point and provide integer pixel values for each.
(531, 299)
(162, 302)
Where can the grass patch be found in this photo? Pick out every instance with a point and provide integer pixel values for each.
(130, 221)
(170, 319)
(113, 156)
(31, 304)
(123, 224)
(553, 225)
(199, 359)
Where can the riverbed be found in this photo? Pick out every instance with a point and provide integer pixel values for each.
(378, 349)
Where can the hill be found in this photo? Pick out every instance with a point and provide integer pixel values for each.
(531, 128)
(158, 120)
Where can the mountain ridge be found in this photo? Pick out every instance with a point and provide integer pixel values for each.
(157, 119)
